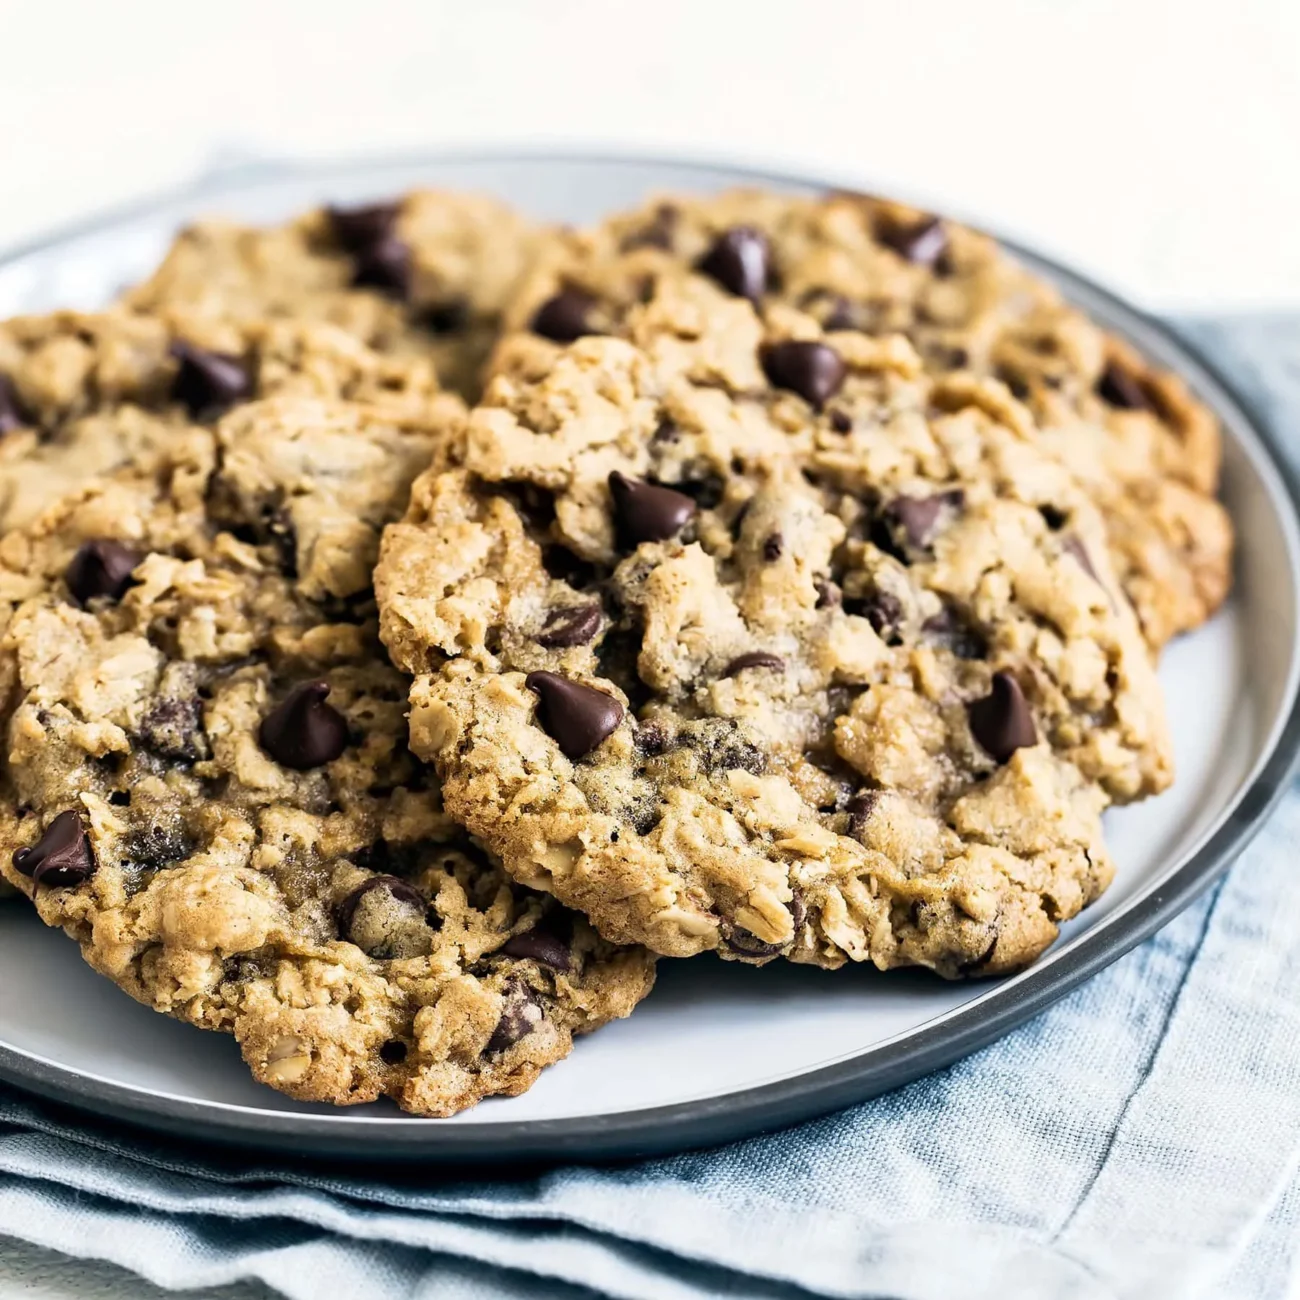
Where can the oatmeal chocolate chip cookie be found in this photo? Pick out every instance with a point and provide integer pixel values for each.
(207, 746)
(767, 643)
(1146, 449)
(82, 395)
(428, 274)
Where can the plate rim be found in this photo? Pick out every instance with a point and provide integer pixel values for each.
(709, 1121)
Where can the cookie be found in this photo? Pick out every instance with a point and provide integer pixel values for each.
(1146, 449)
(751, 638)
(83, 395)
(207, 746)
(428, 274)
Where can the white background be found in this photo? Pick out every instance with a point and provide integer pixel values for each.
(1151, 142)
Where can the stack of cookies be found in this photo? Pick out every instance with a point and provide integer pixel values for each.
(416, 622)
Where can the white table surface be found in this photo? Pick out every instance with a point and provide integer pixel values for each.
(1150, 142)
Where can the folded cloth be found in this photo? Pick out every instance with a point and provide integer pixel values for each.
(1141, 1138)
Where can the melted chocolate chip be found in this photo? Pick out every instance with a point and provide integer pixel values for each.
(922, 242)
(773, 547)
(61, 857)
(813, 370)
(1055, 519)
(208, 383)
(173, 728)
(1116, 387)
(646, 512)
(884, 611)
(11, 413)
(101, 568)
(155, 847)
(360, 228)
(754, 659)
(841, 422)
(739, 941)
(384, 265)
(522, 1014)
(539, 945)
(914, 522)
(303, 731)
(565, 317)
(569, 626)
(575, 716)
(740, 261)
(861, 809)
(1002, 721)
(828, 594)
(403, 893)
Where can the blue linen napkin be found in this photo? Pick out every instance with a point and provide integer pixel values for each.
(1140, 1139)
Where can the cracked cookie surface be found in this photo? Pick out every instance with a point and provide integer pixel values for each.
(1147, 450)
(83, 395)
(746, 637)
(215, 797)
(426, 275)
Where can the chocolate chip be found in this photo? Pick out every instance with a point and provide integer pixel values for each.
(1002, 721)
(522, 1014)
(773, 547)
(393, 1052)
(575, 716)
(539, 945)
(828, 594)
(1118, 388)
(666, 432)
(11, 413)
(569, 626)
(446, 317)
(358, 228)
(813, 370)
(647, 512)
(1055, 519)
(861, 809)
(754, 659)
(405, 894)
(736, 939)
(100, 568)
(384, 265)
(1074, 547)
(62, 856)
(155, 847)
(841, 422)
(565, 317)
(913, 522)
(921, 242)
(884, 611)
(173, 728)
(740, 261)
(303, 731)
(208, 383)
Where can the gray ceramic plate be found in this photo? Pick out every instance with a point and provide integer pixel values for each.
(719, 1050)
